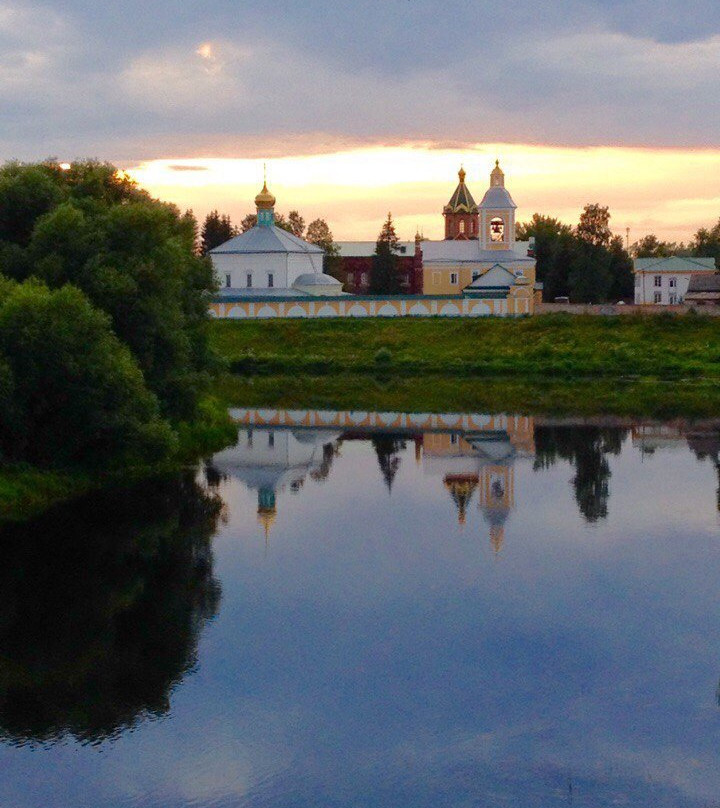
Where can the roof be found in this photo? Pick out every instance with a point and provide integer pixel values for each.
(497, 198)
(316, 279)
(263, 239)
(704, 283)
(675, 263)
(461, 200)
(365, 249)
(231, 295)
(443, 251)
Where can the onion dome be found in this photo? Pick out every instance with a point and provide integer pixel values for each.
(497, 197)
(264, 200)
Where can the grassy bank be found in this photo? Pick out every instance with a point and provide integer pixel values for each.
(26, 491)
(560, 346)
(653, 399)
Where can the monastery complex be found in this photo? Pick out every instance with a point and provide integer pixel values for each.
(478, 269)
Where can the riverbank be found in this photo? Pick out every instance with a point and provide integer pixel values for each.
(386, 393)
(26, 491)
(657, 347)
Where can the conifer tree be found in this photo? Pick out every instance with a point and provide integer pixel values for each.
(216, 230)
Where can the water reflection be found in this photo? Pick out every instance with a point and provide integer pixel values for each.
(102, 606)
(418, 610)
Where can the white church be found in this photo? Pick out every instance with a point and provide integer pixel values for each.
(267, 261)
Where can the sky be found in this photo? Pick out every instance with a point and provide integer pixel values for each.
(367, 107)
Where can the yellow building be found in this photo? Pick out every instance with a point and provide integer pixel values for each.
(480, 254)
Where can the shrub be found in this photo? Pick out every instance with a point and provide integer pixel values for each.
(383, 356)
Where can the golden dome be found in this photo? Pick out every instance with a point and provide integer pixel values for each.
(266, 517)
(461, 174)
(264, 200)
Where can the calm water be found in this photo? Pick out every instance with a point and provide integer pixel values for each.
(362, 610)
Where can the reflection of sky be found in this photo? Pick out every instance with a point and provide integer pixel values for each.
(377, 653)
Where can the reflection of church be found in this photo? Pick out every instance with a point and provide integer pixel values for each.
(270, 460)
(481, 460)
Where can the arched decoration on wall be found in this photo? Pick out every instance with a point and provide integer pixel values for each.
(357, 311)
(450, 310)
(237, 312)
(326, 311)
(480, 310)
(387, 311)
(267, 311)
(419, 310)
(297, 311)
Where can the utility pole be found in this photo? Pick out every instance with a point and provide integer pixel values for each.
(627, 239)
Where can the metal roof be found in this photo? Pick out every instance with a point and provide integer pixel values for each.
(497, 197)
(674, 263)
(704, 283)
(444, 251)
(263, 239)
(461, 201)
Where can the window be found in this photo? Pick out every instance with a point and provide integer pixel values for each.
(453, 278)
(462, 228)
(271, 439)
(363, 278)
(453, 438)
(497, 229)
(657, 297)
(351, 278)
(475, 275)
(657, 280)
(673, 283)
(249, 280)
(673, 299)
(271, 280)
(228, 281)
(472, 226)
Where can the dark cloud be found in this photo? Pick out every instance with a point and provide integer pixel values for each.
(131, 81)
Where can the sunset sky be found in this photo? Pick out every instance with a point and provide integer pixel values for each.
(368, 107)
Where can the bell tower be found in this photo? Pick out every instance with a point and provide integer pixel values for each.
(461, 213)
(497, 214)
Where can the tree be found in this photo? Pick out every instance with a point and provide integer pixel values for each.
(133, 256)
(589, 278)
(78, 396)
(388, 235)
(216, 230)
(319, 233)
(706, 243)
(594, 225)
(621, 271)
(387, 448)
(554, 244)
(651, 247)
(296, 223)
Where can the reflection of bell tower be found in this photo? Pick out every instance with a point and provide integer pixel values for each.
(461, 488)
(496, 499)
(267, 511)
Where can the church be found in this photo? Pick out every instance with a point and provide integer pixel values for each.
(479, 254)
(267, 262)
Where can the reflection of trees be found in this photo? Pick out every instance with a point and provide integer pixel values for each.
(706, 445)
(387, 447)
(329, 452)
(586, 448)
(101, 609)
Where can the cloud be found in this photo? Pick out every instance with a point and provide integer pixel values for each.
(74, 84)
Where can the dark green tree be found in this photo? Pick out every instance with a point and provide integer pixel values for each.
(216, 230)
(384, 278)
(706, 243)
(77, 395)
(594, 225)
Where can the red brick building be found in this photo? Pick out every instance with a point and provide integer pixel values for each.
(461, 213)
(356, 260)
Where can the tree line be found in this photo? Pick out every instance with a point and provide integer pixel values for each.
(104, 351)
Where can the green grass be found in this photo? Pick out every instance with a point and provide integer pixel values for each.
(558, 346)
(692, 400)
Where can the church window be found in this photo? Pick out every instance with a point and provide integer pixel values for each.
(673, 299)
(497, 229)
(475, 275)
(363, 278)
(271, 280)
(657, 297)
(657, 280)
(453, 278)
(673, 283)
(271, 439)
(249, 280)
(228, 280)
(462, 228)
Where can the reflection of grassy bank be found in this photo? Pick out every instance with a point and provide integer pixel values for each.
(444, 394)
(559, 346)
(26, 491)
